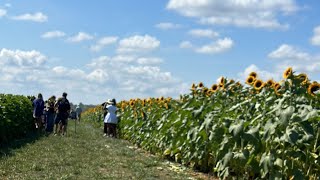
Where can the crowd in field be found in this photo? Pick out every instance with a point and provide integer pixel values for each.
(52, 115)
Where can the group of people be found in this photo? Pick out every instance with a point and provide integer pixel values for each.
(52, 115)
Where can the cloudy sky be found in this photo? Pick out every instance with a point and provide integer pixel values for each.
(95, 50)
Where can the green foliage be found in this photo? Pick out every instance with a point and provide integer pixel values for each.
(236, 131)
(15, 116)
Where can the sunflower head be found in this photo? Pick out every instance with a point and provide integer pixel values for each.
(270, 83)
(205, 90)
(238, 84)
(231, 81)
(287, 73)
(222, 79)
(313, 88)
(303, 78)
(200, 85)
(258, 84)
(250, 80)
(193, 86)
(214, 87)
(209, 93)
(166, 106)
(221, 86)
(253, 74)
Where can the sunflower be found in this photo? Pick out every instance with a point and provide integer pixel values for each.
(200, 85)
(193, 86)
(221, 80)
(287, 73)
(166, 106)
(238, 84)
(209, 93)
(258, 84)
(214, 88)
(270, 83)
(303, 78)
(253, 74)
(131, 103)
(276, 86)
(250, 80)
(313, 88)
(205, 90)
(161, 98)
(221, 86)
(231, 81)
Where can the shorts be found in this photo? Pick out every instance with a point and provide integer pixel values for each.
(61, 118)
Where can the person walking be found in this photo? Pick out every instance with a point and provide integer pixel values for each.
(78, 111)
(62, 109)
(50, 113)
(38, 107)
(110, 120)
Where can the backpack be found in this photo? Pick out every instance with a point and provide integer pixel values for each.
(63, 105)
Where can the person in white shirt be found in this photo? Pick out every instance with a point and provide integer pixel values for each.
(110, 120)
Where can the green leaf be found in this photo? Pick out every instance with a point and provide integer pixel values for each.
(292, 135)
(236, 129)
(286, 115)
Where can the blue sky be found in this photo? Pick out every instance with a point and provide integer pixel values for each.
(95, 50)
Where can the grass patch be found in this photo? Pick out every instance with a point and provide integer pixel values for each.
(83, 155)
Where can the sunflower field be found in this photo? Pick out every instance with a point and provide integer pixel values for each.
(15, 116)
(262, 130)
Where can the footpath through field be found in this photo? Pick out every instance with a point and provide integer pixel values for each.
(85, 154)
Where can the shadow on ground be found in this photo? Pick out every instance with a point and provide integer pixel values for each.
(6, 148)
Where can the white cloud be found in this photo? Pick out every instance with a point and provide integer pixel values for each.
(7, 5)
(288, 52)
(120, 77)
(289, 56)
(138, 43)
(218, 46)
(81, 36)
(98, 75)
(36, 17)
(167, 26)
(185, 45)
(21, 58)
(105, 41)
(53, 34)
(203, 33)
(315, 40)
(136, 76)
(3, 12)
(60, 70)
(149, 61)
(244, 13)
(262, 74)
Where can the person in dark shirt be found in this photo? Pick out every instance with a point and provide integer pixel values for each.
(50, 113)
(38, 107)
(62, 109)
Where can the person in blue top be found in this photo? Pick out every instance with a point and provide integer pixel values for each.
(110, 120)
(38, 107)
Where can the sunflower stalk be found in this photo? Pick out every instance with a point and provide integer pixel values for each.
(315, 144)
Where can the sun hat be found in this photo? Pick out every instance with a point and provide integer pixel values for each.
(109, 101)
